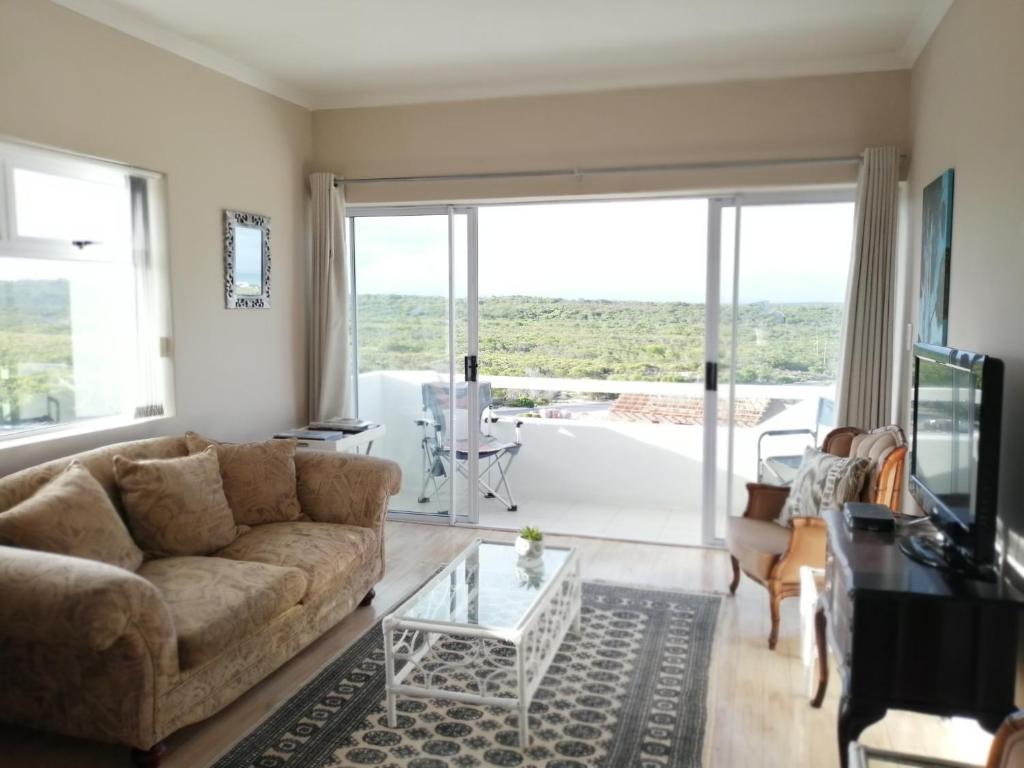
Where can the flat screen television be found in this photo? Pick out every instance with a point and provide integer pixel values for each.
(954, 473)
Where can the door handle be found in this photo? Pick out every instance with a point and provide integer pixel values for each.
(710, 376)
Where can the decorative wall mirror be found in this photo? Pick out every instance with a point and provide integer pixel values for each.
(246, 260)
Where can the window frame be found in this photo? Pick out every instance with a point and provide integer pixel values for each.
(15, 156)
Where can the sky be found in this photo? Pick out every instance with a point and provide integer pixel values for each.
(644, 250)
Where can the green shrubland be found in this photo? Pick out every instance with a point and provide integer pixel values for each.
(596, 339)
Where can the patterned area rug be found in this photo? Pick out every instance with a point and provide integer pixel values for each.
(629, 690)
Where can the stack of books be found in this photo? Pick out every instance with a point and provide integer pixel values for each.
(332, 429)
(349, 426)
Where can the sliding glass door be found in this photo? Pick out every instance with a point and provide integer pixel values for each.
(409, 320)
(591, 319)
(781, 277)
(411, 337)
(606, 368)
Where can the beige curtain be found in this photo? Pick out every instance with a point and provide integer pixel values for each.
(329, 374)
(866, 361)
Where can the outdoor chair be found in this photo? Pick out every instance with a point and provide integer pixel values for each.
(493, 453)
(780, 470)
(772, 554)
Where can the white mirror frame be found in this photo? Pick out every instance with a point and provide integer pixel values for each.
(233, 220)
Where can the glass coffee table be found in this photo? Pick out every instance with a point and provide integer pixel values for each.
(484, 629)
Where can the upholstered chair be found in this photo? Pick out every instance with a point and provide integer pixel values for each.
(772, 554)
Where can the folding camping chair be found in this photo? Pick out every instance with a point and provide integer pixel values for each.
(780, 470)
(437, 447)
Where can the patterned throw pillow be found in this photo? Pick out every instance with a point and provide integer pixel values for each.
(823, 481)
(71, 515)
(259, 478)
(176, 506)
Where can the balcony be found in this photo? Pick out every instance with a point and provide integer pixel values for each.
(616, 459)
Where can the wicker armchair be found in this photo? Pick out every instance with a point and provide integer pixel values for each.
(772, 555)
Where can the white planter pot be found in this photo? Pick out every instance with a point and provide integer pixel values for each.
(528, 549)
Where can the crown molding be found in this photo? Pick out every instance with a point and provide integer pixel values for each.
(134, 25)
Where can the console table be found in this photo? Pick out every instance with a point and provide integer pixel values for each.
(911, 637)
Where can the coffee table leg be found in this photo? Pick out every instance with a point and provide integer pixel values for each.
(577, 590)
(524, 705)
(389, 673)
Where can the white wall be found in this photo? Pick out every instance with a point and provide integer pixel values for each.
(968, 114)
(71, 83)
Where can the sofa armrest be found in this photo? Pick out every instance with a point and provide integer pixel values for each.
(764, 502)
(45, 597)
(346, 488)
(86, 649)
(806, 547)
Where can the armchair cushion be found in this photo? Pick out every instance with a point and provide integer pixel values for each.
(823, 481)
(71, 515)
(259, 478)
(757, 544)
(877, 446)
(216, 603)
(176, 506)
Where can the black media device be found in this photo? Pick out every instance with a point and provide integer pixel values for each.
(868, 517)
(954, 472)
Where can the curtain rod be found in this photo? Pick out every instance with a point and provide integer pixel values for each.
(707, 166)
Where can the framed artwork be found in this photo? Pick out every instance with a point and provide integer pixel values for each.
(936, 248)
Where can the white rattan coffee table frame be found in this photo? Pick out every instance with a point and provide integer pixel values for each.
(409, 645)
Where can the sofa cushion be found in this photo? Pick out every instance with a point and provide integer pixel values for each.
(215, 602)
(71, 515)
(757, 544)
(328, 553)
(20, 485)
(176, 507)
(259, 478)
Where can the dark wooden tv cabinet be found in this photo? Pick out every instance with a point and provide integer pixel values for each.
(907, 636)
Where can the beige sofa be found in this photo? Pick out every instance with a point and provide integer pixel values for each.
(93, 650)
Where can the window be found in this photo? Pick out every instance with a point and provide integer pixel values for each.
(84, 312)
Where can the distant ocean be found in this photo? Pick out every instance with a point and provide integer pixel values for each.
(250, 278)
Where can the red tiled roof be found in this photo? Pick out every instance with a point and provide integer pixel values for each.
(672, 409)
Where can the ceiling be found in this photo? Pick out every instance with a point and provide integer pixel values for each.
(341, 53)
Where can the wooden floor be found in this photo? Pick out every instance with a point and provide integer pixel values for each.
(759, 717)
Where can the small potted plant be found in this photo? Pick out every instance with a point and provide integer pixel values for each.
(530, 543)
